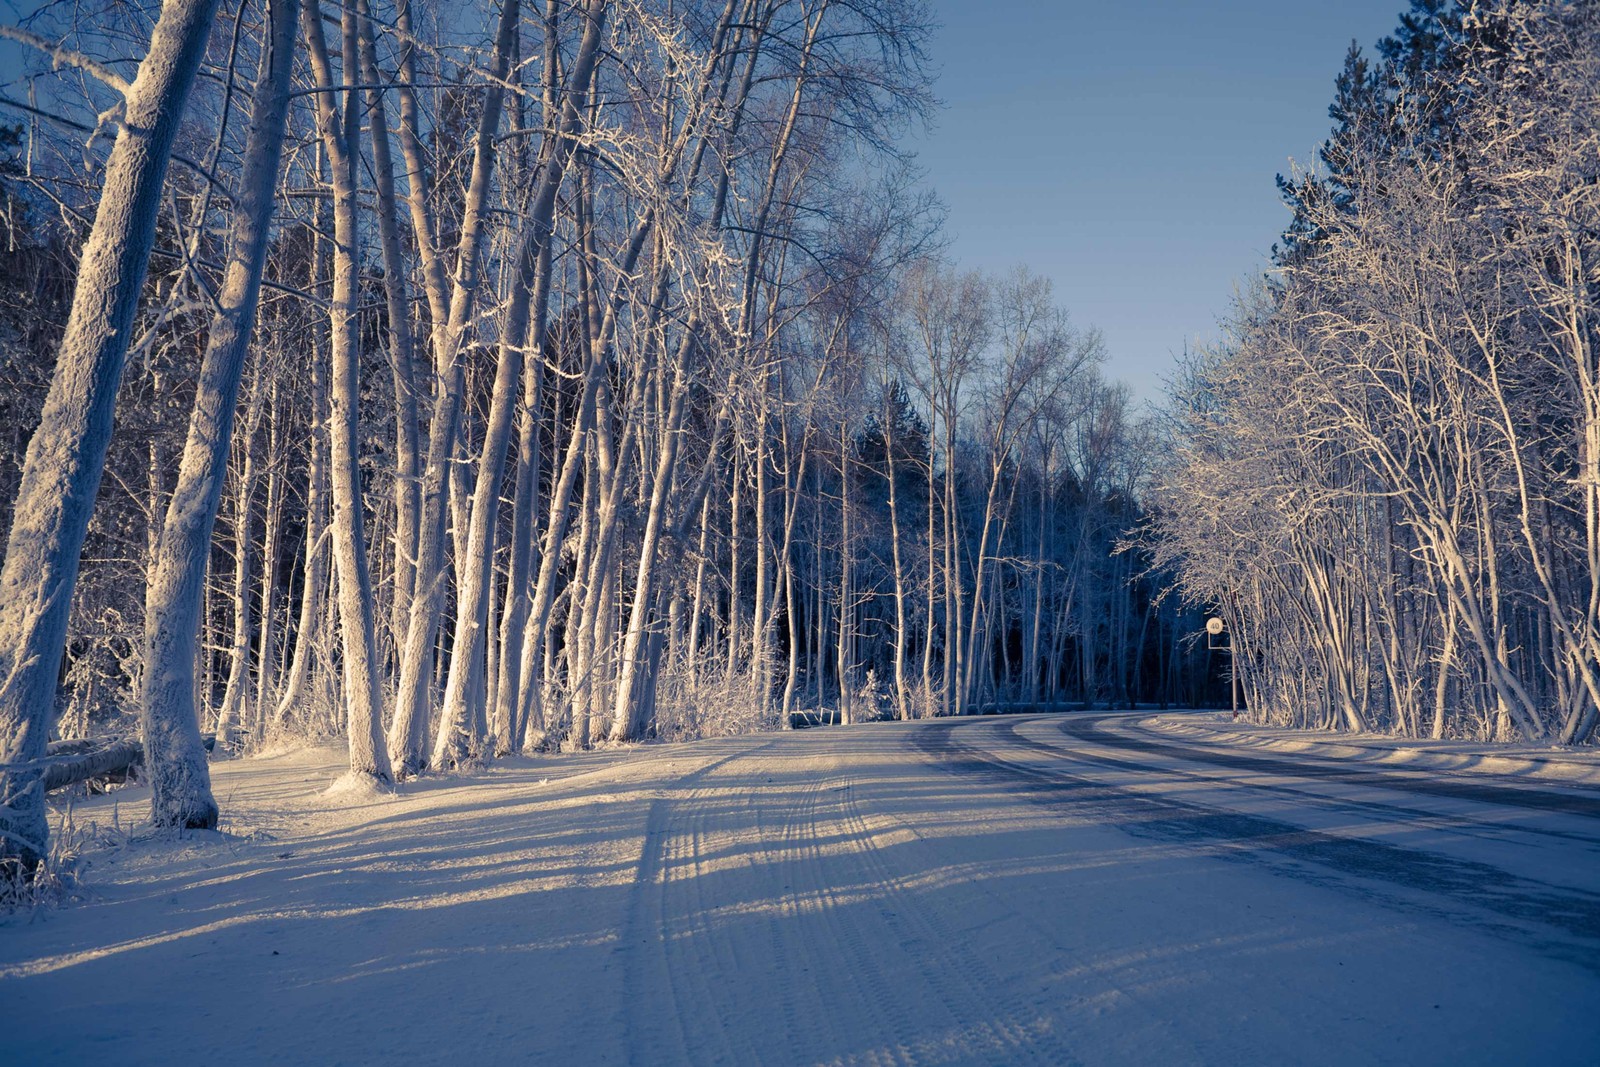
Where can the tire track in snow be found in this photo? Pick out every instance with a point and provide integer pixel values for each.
(643, 933)
(1575, 800)
(849, 980)
(884, 966)
(1201, 771)
(1474, 892)
(1008, 908)
(964, 979)
(788, 914)
(702, 963)
(647, 946)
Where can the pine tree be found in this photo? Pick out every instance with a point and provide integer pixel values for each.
(1400, 105)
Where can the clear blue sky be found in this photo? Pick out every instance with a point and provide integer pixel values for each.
(1127, 148)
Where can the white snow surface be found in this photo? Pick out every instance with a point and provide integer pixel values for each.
(1534, 762)
(1022, 889)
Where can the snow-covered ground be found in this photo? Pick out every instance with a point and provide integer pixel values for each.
(1550, 763)
(1049, 889)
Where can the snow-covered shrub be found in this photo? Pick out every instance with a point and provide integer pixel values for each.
(691, 705)
(58, 879)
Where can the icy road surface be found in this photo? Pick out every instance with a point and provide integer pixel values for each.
(1032, 890)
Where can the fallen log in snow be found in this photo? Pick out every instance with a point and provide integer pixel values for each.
(83, 759)
(72, 762)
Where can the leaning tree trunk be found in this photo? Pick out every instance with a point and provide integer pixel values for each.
(402, 340)
(266, 646)
(175, 757)
(508, 690)
(65, 459)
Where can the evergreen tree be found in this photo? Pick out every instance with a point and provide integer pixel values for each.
(1405, 103)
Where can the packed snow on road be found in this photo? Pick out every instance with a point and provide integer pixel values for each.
(1097, 888)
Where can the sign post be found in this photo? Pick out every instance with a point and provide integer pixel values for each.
(1214, 629)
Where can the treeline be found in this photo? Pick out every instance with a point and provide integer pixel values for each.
(1388, 479)
(585, 375)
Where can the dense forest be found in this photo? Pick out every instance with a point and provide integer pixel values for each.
(468, 381)
(1388, 477)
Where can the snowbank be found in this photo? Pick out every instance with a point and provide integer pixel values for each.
(1533, 762)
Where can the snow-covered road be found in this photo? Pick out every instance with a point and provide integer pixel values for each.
(1043, 889)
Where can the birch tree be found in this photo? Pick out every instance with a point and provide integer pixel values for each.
(67, 453)
(169, 720)
(338, 127)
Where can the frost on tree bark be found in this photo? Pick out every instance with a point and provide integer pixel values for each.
(402, 339)
(902, 705)
(465, 687)
(505, 725)
(232, 716)
(175, 756)
(266, 648)
(451, 304)
(65, 459)
(369, 758)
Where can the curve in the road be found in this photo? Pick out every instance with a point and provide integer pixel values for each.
(1561, 922)
(1576, 802)
(1314, 777)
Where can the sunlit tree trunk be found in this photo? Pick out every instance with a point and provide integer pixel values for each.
(402, 337)
(339, 128)
(464, 688)
(233, 712)
(66, 456)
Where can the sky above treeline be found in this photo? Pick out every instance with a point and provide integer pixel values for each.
(1127, 149)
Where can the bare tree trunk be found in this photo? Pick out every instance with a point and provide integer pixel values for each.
(519, 583)
(1037, 594)
(930, 630)
(901, 624)
(761, 634)
(61, 471)
(314, 566)
(845, 665)
(266, 648)
(234, 695)
(786, 710)
(955, 643)
(697, 611)
(363, 684)
(819, 612)
(794, 472)
(735, 540)
(402, 339)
